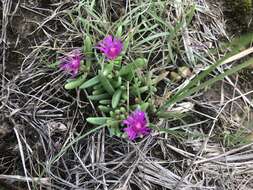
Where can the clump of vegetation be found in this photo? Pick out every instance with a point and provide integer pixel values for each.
(117, 87)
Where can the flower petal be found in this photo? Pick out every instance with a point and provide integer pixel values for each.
(111, 47)
(71, 62)
(137, 125)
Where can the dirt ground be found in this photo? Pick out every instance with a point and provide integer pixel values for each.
(23, 30)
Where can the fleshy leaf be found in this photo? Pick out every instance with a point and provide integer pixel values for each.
(90, 82)
(75, 83)
(130, 68)
(97, 120)
(116, 98)
(106, 84)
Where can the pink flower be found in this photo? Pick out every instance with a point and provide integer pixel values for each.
(71, 62)
(137, 125)
(111, 47)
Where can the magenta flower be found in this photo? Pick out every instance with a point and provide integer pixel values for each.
(137, 125)
(71, 62)
(111, 47)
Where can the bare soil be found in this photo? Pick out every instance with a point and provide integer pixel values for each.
(24, 32)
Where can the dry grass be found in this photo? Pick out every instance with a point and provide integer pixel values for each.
(45, 141)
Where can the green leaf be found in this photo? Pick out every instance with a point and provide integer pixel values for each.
(150, 38)
(98, 91)
(115, 131)
(119, 32)
(99, 97)
(112, 123)
(117, 83)
(105, 102)
(190, 15)
(130, 68)
(104, 109)
(117, 61)
(97, 120)
(108, 68)
(88, 51)
(106, 84)
(90, 82)
(144, 106)
(129, 77)
(98, 86)
(75, 83)
(138, 91)
(126, 45)
(87, 46)
(116, 98)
